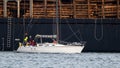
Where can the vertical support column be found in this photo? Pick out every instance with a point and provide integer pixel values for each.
(74, 8)
(45, 8)
(60, 9)
(88, 8)
(103, 9)
(5, 8)
(18, 8)
(118, 9)
(31, 8)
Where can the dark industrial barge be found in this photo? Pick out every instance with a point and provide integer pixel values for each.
(95, 21)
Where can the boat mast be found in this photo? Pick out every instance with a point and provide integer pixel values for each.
(57, 21)
(24, 22)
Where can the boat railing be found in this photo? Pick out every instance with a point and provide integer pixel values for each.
(81, 43)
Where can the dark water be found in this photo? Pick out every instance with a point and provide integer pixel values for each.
(37, 60)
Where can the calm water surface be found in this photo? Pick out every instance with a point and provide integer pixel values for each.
(37, 60)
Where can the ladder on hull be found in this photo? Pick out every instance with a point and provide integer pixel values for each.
(9, 32)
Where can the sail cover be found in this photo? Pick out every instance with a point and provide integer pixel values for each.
(46, 36)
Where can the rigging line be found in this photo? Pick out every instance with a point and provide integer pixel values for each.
(95, 31)
(78, 30)
(75, 22)
(20, 29)
(72, 30)
(29, 26)
(74, 33)
(60, 25)
(70, 36)
(53, 27)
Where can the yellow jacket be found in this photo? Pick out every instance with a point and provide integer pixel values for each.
(25, 39)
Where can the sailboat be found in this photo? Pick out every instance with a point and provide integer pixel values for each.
(55, 46)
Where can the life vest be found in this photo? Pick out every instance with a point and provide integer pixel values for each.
(25, 39)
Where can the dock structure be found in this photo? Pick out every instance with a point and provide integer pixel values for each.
(67, 8)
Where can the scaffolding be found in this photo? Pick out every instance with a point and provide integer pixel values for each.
(67, 9)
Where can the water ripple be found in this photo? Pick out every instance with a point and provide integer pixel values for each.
(37, 60)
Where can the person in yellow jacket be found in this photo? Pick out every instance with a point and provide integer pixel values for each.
(25, 40)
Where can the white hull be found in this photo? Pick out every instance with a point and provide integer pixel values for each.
(51, 49)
